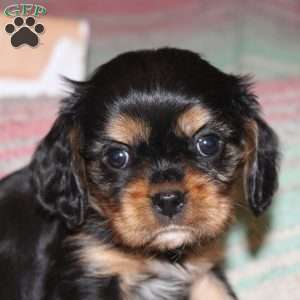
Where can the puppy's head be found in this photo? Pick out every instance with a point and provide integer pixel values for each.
(163, 146)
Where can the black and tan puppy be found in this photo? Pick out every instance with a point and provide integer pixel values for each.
(140, 174)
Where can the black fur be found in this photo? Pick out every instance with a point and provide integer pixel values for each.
(54, 178)
(46, 202)
(263, 181)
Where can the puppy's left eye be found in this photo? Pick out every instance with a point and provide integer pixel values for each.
(117, 158)
(209, 145)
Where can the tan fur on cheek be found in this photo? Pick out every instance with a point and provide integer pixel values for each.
(209, 208)
(127, 130)
(135, 221)
(191, 121)
(250, 144)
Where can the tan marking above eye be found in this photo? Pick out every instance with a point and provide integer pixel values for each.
(191, 120)
(127, 129)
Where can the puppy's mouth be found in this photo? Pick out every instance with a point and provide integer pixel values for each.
(172, 236)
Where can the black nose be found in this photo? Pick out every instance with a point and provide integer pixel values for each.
(168, 203)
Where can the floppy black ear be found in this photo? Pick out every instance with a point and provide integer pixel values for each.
(262, 170)
(56, 176)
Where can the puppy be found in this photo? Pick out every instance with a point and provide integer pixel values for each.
(127, 195)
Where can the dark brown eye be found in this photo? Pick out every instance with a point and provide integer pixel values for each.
(209, 145)
(117, 158)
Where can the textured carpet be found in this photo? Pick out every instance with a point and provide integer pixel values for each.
(257, 37)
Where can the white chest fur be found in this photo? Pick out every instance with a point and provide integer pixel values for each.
(152, 279)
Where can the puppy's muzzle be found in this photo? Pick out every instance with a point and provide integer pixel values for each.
(168, 203)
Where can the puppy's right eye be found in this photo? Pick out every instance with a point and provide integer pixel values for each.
(117, 158)
(209, 145)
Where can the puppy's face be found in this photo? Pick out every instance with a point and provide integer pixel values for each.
(165, 175)
(168, 146)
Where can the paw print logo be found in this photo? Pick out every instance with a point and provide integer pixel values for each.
(24, 33)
